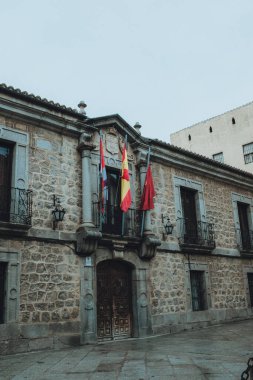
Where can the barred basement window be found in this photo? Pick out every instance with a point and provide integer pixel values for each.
(248, 153)
(250, 281)
(3, 271)
(218, 157)
(198, 290)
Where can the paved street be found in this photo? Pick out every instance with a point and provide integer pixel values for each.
(218, 352)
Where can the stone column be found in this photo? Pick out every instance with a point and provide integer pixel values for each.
(144, 324)
(87, 234)
(86, 188)
(87, 303)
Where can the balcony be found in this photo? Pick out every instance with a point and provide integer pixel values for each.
(15, 206)
(110, 222)
(244, 240)
(197, 236)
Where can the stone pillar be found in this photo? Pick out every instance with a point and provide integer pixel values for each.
(87, 234)
(87, 303)
(149, 242)
(86, 188)
(147, 217)
(143, 310)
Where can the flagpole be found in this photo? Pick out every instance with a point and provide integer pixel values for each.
(143, 212)
(123, 216)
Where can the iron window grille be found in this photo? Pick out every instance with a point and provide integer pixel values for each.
(196, 233)
(198, 290)
(15, 205)
(111, 219)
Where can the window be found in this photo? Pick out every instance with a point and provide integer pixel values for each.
(245, 233)
(3, 271)
(9, 286)
(189, 215)
(198, 290)
(210, 129)
(250, 283)
(248, 153)
(192, 226)
(189, 137)
(112, 222)
(243, 217)
(233, 120)
(218, 157)
(5, 180)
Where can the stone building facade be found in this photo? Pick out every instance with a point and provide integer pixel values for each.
(96, 276)
(226, 138)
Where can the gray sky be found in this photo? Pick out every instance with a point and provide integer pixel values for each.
(165, 63)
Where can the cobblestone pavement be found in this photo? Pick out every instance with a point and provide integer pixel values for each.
(217, 352)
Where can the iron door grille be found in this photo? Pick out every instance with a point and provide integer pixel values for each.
(250, 282)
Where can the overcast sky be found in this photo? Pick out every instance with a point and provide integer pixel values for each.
(164, 63)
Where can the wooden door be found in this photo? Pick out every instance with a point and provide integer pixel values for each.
(114, 301)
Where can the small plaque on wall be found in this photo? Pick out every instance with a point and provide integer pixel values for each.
(87, 262)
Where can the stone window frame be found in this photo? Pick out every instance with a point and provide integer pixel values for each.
(199, 198)
(247, 269)
(12, 299)
(20, 140)
(203, 267)
(243, 199)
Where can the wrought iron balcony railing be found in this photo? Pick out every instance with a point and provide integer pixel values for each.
(111, 220)
(15, 205)
(244, 239)
(199, 234)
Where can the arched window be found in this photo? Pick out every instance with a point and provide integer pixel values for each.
(210, 129)
(189, 137)
(233, 120)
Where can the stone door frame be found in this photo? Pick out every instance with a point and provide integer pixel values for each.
(142, 324)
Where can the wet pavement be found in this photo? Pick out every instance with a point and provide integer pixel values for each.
(217, 352)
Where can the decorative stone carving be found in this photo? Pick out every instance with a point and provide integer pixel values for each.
(148, 247)
(112, 145)
(87, 241)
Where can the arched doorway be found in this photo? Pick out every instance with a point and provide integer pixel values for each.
(114, 300)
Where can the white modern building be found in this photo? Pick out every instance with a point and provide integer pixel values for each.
(227, 138)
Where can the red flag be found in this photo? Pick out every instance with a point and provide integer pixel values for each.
(147, 202)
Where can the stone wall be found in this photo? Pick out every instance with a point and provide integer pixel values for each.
(217, 198)
(49, 281)
(54, 168)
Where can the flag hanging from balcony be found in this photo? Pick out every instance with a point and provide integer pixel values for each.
(103, 177)
(126, 198)
(147, 201)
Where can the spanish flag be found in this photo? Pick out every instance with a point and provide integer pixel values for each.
(126, 198)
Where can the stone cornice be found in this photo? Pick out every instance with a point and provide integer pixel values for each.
(42, 117)
(201, 166)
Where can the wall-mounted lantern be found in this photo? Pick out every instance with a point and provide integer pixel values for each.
(168, 226)
(58, 212)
